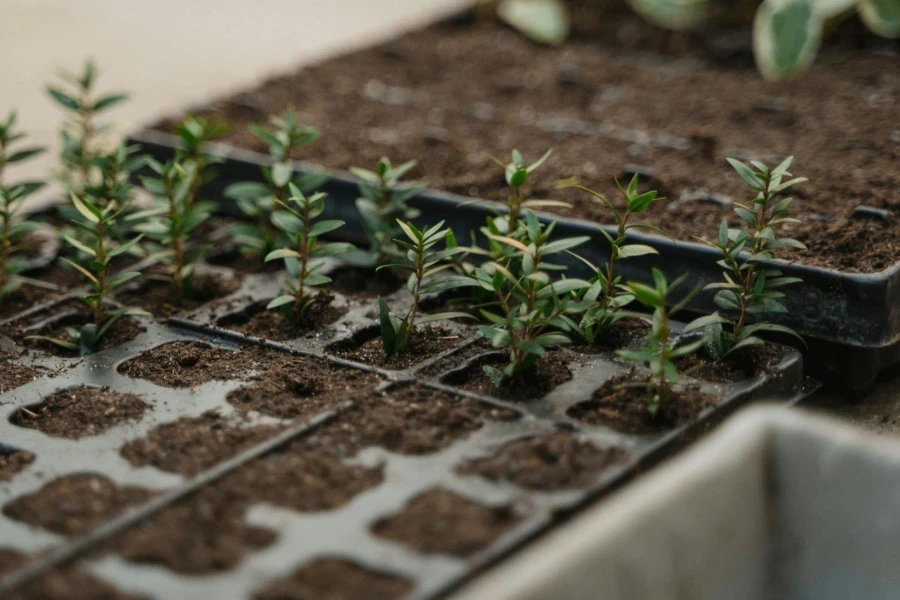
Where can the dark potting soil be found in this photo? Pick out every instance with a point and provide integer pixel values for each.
(159, 298)
(189, 446)
(549, 461)
(424, 343)
(743, 364)
(336, 579)
(29, 296)
(80, 412)
(75, 504)
(12, 463)
(409, 419)
(58, 584)
(260, 322)
(201, 534)
(122, 331)
(479, 346)
(12, 375)
(625, 408)
(189, 364)
(550, 371)
(301, 387)
(365, 283)
(624, 333)
(443, 522)
(448, 94)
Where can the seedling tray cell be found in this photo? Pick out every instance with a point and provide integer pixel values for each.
(374, 527)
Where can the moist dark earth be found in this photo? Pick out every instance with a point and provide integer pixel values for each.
(605, 102)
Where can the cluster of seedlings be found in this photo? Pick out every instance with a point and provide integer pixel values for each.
(513, 277)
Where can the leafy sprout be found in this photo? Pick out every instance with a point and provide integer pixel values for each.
(751, 290)
(534, 312)
(11, 198)
(606, 295)
(99, 217)
(80, 132)
(257, 200)
(659, 355)
(517, 173)
(423, 262)
(172, 220)
(382, 204)
(298, 221)
(195, 133)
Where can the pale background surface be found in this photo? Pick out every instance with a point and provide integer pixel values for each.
(172, 54)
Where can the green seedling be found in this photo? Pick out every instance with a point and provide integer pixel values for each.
(195, 133)
(660, 354)
(11, 198)
(258, 200)
(298, 220)
(424, 263)
(382, 203)
(534, 311)
(751, 289)
(607, 297)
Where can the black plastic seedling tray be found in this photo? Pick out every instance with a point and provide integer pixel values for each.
(344, 532)
(851, 322)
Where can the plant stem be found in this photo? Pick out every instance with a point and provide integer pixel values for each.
(514, 210)
(304, 265)
(748, 278)
(417, 294)
(177, 242)
(101, 275)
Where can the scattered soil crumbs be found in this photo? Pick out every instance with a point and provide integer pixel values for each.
(424, 343)
(364, 283)
(13, 375)
(335, 579)
(449, 94)
(625, 408)
(75, 504)
(550, 461)
(189, 446)
(273, 325)
(12, 463)
(202, 534)
(301, 387)
(80, 412)
(158, 297)
(551, 371)
(58, 584)
(625, 333)
(442, 522)
(741, 365)
(122, 331)
(188, 364)
(407, 420)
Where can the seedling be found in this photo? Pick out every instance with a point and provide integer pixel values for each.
(534, 311)
(748, 290)
(195, 133)
(606, 295)
(298, 222)
(99, 217)
(382, 205)
(423, 262)
(660, 354)
(80, 131)
(258, 200)
(11, 198)
(517, 174)
(172, 220)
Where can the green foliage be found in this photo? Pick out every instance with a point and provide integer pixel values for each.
(606, 295)
(11, 198)
(517, 173)
(298, 221)
(672, 14)
(542, 21)
(659, 355)
(195, 133)
(258, 200)
(175, 215)
(423, 262)
(749, 290)
(382, 204)
(80, 131)
(99, 215)
(534, 311)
